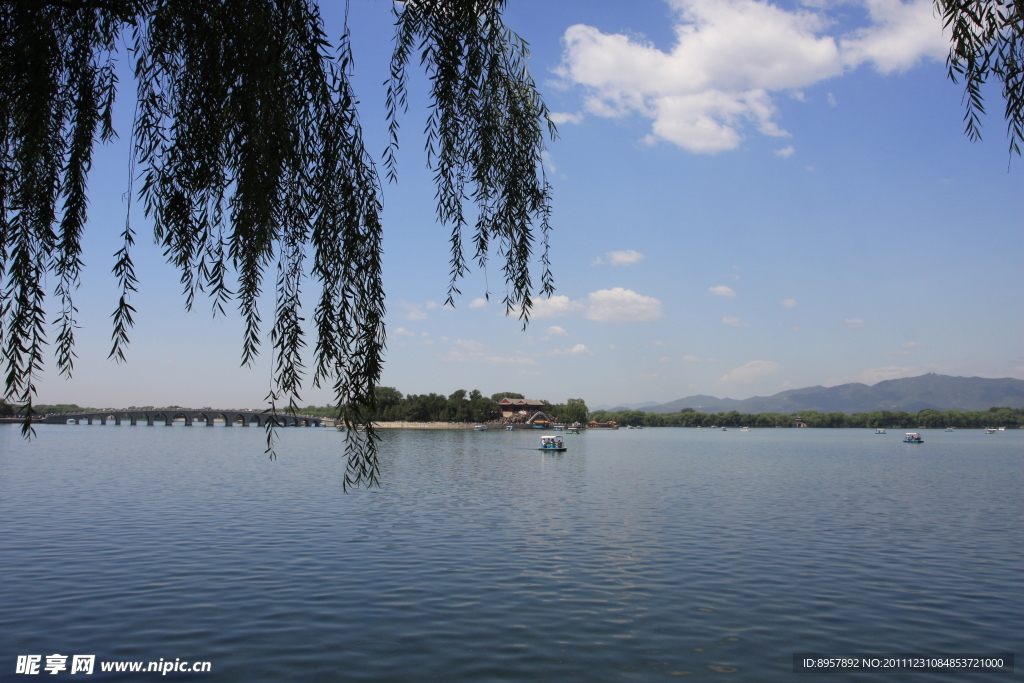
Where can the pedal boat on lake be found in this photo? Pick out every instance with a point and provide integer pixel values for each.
(879, 431)
(913, 437)
(551, 442)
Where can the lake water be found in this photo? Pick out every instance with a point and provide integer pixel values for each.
(635, 555)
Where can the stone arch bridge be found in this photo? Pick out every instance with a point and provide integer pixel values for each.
(167, 417)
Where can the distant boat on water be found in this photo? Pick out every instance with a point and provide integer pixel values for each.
(913, 437)
(879, 431)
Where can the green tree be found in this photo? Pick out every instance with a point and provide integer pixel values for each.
(505, 394)
(249, 150)
(575, 410)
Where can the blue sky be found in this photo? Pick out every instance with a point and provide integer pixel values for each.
(749, 197)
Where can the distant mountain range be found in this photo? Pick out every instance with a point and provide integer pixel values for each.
(910, 394)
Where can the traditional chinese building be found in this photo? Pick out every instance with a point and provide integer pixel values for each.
(511, 407)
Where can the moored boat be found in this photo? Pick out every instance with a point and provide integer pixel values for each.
(879, 431)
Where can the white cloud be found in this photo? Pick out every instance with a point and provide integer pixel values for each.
(751, 372)
(691, 359)
(910, 345)
(731, 56)
(478, 303)
(832, 100)
(616, 305)
(560, 117)
(624, 258)
(402, 332)
(597, 261)
(578, 350)
(431, 305)
(900, 35)
(412, 311)
(548, 161)
(853, 322)
(732, 321)
(788, 303)
(558, 305)
(556, 331)
(722, 290)
(472, 351)
(785, 152)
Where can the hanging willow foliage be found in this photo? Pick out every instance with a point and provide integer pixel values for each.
(987, 40)
(249, 155)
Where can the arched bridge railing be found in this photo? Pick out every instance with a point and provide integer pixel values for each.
(167, 417)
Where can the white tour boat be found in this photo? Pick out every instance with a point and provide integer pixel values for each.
(551, 442)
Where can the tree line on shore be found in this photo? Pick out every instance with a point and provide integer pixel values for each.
(886, 419)
(472, 406)
(460, 406)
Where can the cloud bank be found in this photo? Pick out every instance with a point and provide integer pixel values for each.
(731, 56)
(616, 305)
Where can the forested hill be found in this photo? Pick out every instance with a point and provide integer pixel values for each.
(910, 394)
